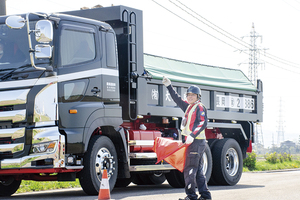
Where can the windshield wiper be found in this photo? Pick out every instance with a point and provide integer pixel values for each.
(9, 74)
(6, 69)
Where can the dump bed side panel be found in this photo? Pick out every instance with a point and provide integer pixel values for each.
(227, 93)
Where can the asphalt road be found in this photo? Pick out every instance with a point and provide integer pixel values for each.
(280, 185)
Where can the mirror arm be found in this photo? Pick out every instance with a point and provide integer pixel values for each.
(31, 51)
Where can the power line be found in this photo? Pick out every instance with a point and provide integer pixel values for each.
(291, 5)
(286, 62)
(266, 55)
(195, 25)
(281, 67)
(232, 37)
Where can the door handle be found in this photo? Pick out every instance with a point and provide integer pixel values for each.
(95, 90)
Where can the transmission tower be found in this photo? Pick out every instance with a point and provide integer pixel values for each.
(259, 139)
(280, 128)
(254, 52)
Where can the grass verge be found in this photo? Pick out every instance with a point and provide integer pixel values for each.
(266, 166)
(31, 186)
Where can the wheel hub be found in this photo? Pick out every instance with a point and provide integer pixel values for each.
(104, 160)
(232, 161)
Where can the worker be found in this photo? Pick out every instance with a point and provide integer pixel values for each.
(193, 125)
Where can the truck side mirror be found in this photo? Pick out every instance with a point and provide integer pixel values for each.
(43, 51)
(43, 31)
(15, 22)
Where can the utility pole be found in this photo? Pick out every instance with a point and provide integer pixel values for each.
(2, 7)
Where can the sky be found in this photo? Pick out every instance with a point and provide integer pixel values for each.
(212, 35)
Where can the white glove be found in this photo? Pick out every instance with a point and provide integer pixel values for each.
(189, 139)
(166, 81)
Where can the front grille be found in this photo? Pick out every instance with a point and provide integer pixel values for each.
(6, 108)
(5, 125)
(12, 122)
(6, 140)
(4, 155)
(12, 141)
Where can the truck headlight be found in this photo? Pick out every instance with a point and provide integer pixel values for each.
(45, 147)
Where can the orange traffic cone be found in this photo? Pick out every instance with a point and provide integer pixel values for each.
(104, 192)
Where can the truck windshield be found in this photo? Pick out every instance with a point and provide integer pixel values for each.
(14, 48)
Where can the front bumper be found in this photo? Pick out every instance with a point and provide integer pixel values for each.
(53, 159)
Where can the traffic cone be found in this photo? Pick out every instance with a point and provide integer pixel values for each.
(104, 192)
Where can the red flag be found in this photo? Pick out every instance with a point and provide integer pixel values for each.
(171, 151)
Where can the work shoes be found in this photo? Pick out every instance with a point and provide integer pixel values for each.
(201, 198)
(186, 198)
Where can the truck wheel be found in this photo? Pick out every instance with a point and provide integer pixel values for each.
(148, 178)
(123, 182)
(101, 154)
(227, 162)
(141, 179)
(157, 178)
(175, 178)
(9, 186)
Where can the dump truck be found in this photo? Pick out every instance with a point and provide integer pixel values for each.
(78, 95)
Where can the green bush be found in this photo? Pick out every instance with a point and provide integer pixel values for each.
(271, 157)
(285, 157)
(278, 158)
(250, 161)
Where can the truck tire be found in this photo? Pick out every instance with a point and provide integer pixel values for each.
(157, 178)
(175, 179)
(101, 154)
(227, 162)
(123, 182)
(148, 178)
(9, 186)
(141, 179)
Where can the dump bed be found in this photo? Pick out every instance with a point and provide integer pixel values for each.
(227, 93)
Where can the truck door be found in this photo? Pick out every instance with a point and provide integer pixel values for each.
(79, 77)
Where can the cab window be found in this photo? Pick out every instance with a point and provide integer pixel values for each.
(77, 46)
(111, 58)
(73, 90)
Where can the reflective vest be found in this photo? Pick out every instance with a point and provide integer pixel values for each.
(185, 124)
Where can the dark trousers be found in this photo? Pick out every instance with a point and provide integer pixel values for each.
(193, 173)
